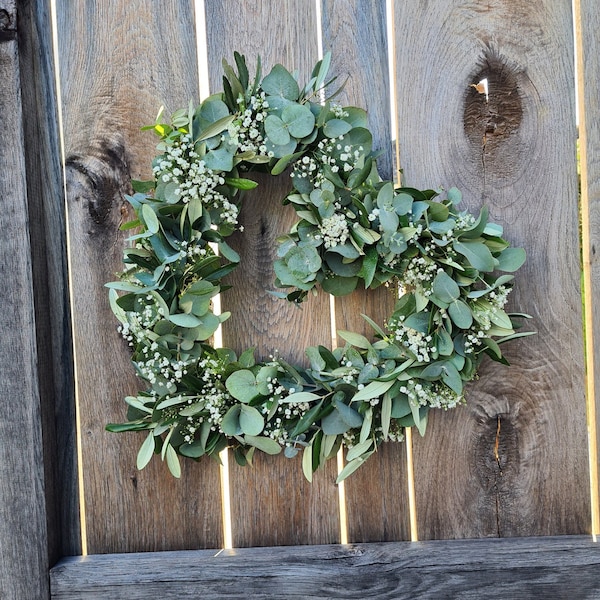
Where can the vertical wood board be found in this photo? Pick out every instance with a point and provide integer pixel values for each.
(23, 533)
(271, 503)
(588, 30)
(514, 462)
(47, 226)
(119, 62)
(355, 32)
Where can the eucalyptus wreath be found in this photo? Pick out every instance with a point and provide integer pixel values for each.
(353, 229)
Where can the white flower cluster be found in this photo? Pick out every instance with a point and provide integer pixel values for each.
(483, 314)
(215, 398)
(334, 230)
(194, 250)
(181, 164)
(275, 426)
(311, 166)
(416, 342)
(434, 394)
(463, 222)
(247, 130)
(419, 275)
(161, 370)
(140, 322)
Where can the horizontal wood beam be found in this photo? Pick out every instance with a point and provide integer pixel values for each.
(553, 567)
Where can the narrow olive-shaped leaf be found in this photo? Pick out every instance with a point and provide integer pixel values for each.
(386, 414)
(173, 462)
(146, 451)
(307, 463)
(359, 449)
(216, 128)
(419, 414)
(301, 397)
(150, 218)
(500, 318)
(264, 444)
(356, 339)
(352, 466)
(130, 426)
(241, 183)
(373, 390)
(366, 429)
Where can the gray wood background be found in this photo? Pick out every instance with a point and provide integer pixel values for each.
(513, 462)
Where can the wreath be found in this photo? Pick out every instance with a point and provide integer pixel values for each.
(353, 229)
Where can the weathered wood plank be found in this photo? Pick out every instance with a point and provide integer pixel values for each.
(514, 462)
(119, 62)
(524, 568)
(23, 534)
(356, 32)
(271, 503)
(47, 225)
(588, 41)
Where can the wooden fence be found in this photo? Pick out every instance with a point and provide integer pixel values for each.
(519, 461)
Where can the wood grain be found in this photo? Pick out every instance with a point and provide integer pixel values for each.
(23, 534)
(514, 462)
(47, 226)
(588, 42)
(119, 62)
(565, 567)
(271, 503)
(356, 32)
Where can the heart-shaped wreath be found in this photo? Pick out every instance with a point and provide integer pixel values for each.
(353, 228)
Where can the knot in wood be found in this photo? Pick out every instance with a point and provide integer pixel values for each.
(5, 20)
(495, 115)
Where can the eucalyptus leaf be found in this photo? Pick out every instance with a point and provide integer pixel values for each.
(511, 259)
(445, 288)
(242, 385)
(251, 421)
(276, 130)
(280, 82)
(460, 313)
(477, 253)
(299, 120)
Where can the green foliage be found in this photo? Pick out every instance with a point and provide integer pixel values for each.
(353, 229)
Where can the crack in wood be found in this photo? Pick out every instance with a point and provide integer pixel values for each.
(493, 115)
(498, 474)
